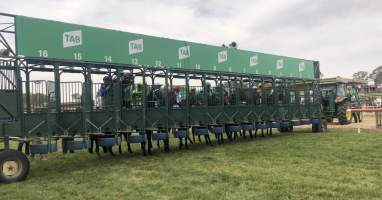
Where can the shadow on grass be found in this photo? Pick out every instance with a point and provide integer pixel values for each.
(63, 164)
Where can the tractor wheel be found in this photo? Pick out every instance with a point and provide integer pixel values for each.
(343, 116)
(14, 166)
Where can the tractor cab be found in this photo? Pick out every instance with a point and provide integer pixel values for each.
(339, 95)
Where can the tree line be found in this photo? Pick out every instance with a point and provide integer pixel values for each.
(375, 75)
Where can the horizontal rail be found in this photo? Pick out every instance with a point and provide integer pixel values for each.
(365, 110)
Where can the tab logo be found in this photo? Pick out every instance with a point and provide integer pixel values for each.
(135, 46)
(184, 52)
(222, 56)
(253, 61)
(280, 64)
(72, 38)
(301, 67)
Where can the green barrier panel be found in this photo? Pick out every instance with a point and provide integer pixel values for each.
(57, 40)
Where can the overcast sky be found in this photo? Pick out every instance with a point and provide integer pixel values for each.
(344, 35)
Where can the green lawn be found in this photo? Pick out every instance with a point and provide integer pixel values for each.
(340, 164)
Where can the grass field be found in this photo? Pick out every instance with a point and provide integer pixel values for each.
(340, 164)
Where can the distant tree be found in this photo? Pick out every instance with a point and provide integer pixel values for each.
(376, 75)
(361, 75)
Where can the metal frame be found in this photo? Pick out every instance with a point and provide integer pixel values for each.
(55, 121)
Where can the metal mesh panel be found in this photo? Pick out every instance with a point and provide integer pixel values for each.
(196, 96)
(302, 97)
(245, 95)
(7, 79)
(214, 96)
(257, 94)
(229, 96)
(178, 96)
(41, 96)
(132, 95)
(292, 96)
(155, 96)
(71, 95)
(102, 97)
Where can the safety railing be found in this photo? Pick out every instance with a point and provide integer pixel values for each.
(131, 96)
(178, 96)
(214, 96)
(39, 97)
(245, 96)
(196, 96)
(7, 79)
(155, 97)
(71, 95)
(102, 95)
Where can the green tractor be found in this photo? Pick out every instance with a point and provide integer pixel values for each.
(338, 96)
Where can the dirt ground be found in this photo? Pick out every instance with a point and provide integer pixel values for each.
(368, 122)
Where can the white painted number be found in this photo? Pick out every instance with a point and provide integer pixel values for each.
(77, 56)
(134, 61)
(158, 63)
(43, 53)
(197, 66)
(108, 59)
(179, 65)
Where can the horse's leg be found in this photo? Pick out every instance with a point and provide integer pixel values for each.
(189, 139)
(234, 135)
(193, 134)
(96, 147)
(90, 149)
(209, 140)
(199, 139)
(110, 149)
(167, 145)
(230, 136)
(181, 143)
(149, 142)
(143, 147)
